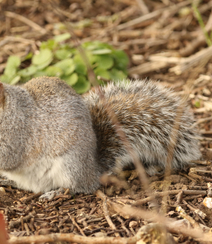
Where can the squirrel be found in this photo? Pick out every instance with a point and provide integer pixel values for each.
(51, 137)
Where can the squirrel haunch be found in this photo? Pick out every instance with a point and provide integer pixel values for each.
(50, 137)
(147, 112)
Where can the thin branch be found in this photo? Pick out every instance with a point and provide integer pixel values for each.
(26, 21)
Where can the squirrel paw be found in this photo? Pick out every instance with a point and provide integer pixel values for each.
(50, 194)
(6, 182)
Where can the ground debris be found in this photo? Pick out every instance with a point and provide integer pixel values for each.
(164, 42)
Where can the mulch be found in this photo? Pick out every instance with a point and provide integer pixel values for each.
(165, 42)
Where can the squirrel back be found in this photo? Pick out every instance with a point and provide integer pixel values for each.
(50, 137)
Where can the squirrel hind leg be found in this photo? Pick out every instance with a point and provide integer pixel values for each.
(51, 194)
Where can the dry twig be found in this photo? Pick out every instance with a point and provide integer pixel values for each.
(26, 21)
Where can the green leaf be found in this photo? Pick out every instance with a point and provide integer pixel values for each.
(53, 71)
(96, 45)
(71, 79)
(82, 85)
(51, 44)
(116, 74)
(66, 65)
(80, 66)
(25, 79)
(28, 56)
(197, 104)
(90, 45)
(121, 59)
(5, 79)
(101, 51)
(60, 26)
(10, 80)
(15, 80)
(104, 61)
(43, 58)
(79, 59)
(62, 37)
(83, 23)
(13, 63)
(39, 73)
(102, 72)
(62, 54)
(91, 57)
(28, 71)
(43, 65)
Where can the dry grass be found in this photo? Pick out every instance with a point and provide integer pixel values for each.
(164, 42)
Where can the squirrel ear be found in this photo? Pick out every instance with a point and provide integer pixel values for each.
(1, 94)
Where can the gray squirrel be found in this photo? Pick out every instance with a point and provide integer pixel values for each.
(51, 137)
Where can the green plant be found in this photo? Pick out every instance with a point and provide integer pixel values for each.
(201, 23)
(56, 58)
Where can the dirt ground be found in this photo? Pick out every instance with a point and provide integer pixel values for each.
(165, 42)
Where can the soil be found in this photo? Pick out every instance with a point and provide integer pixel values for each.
(165, 42)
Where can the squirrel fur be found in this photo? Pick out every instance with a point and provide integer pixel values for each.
(51, 137)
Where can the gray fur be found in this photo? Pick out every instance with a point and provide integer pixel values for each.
(146, 111)
(49, 139)
(46, 138)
